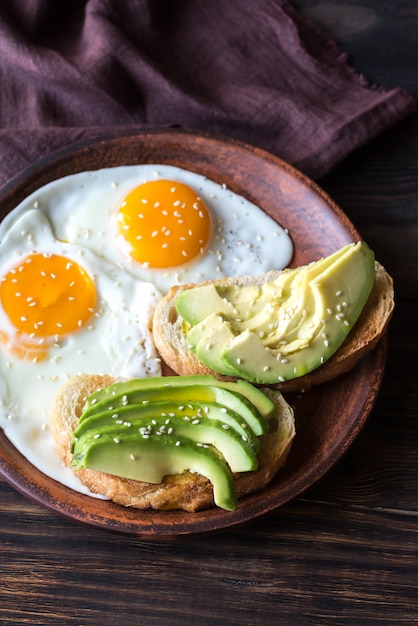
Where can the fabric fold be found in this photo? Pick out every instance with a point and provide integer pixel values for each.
(257, 71)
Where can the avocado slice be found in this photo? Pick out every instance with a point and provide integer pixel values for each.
(216, 299)
(149, 460)
(149, 412)
(299, 321)
(207, 340)
(117, 392)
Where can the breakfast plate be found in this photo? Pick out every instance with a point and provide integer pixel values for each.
(328, 418)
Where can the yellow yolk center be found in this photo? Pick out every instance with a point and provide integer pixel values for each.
(164, 223)
(45, 296)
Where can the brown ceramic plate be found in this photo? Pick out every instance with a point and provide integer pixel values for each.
(327, 420)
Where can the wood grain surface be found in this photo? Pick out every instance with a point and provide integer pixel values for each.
(345, 552)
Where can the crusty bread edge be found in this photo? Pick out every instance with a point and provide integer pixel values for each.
(366, 333)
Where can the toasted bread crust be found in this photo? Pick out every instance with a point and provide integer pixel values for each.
(190, 492)
(368, 330)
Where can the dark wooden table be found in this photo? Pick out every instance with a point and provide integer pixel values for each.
(345, 552)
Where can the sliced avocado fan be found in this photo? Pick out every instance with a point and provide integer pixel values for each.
(285, 328)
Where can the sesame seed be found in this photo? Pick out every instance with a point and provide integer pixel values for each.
(132, 457)
(178, 443)
(116, 439)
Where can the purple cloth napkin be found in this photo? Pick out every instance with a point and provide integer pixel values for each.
(255, 71)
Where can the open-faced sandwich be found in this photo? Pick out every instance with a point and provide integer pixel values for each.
(290, 329)
(171, 442)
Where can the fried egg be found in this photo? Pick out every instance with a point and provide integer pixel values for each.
(63, 311)
(163, 224)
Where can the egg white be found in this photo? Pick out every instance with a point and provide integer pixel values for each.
(81, 208)
(117, 341)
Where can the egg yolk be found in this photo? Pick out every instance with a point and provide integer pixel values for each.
(45, 297)
(164, 224)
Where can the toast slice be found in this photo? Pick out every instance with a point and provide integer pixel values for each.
(190, 492)
(363, 337)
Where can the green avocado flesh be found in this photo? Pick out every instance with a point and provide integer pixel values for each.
(190, 411)
(284, 329)
(163, 385)
(191, 417)
(146, 429)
